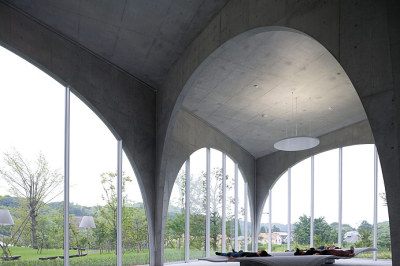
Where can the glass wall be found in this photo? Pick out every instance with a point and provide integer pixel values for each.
(301, 203)
(197, 204)
(34, 114)
(174, 245)
(135, 237)
(356, 168)
(326, 175)
(226, 190)
(31, 158)
(358, 190)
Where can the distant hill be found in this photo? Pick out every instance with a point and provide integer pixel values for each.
(9, 202)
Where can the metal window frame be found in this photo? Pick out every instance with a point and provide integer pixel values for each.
(187, 210)
(119, 203)
(223, 240)
(66, 175)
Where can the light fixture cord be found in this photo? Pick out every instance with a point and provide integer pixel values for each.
(296, 116)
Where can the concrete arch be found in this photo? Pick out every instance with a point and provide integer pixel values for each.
(128, 109)
(364, 48)
(189, 135)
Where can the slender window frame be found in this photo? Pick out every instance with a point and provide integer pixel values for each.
(66, 175)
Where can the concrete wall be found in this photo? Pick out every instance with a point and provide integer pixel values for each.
(189, 135)
(124, 104)
(362, 35)
(270, 168)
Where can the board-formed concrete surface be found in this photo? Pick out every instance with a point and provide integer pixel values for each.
(363, 36)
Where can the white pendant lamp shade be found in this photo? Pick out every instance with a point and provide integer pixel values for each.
(296, 144)
(87, 222)
(5, 217)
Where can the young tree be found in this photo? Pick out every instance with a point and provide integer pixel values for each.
(109, 212)
(36, 185)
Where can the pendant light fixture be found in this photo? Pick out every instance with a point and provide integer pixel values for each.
(296, 143)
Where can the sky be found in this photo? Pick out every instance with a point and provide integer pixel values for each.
(32, 122)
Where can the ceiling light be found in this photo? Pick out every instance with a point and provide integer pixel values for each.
(296, 143)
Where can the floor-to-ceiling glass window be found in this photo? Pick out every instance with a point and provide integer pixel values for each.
(193, 187)
(197, 204)
(241, 209)
(326, 175)
(31, 159)
(357, 175)
(33, 112)
(230, 205)
(358, 190)
(174, 249)
(216, 201)
(279, 216)
(135, 237)
(383, 240)
(301, 203)
(93, 184)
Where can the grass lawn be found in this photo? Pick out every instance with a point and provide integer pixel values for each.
(30, 256)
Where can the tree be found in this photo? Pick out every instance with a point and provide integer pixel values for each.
(109, 212)
(262, 230)
(275, 229)
(36, 186)
(323, 232)
(365, 231)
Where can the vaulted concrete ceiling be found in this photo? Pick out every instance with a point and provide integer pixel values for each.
(143, 37)
(248, 89)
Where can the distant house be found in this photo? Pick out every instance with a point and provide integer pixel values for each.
(352, 237)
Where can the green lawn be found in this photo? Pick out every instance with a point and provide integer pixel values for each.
(30, 256)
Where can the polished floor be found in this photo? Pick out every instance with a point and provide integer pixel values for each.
(349, 262)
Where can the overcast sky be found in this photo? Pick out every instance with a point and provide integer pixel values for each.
(32, 121)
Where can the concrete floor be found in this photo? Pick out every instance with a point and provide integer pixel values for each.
(349, 262)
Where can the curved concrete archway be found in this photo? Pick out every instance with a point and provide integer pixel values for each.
(189, 135)
(336, 26)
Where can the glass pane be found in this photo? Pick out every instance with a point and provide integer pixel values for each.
(230, 204)
(279, 214)
(326, 189)
(358, 190)
(174, 248)
(93, 185)
(31, 148)
(301, 202)
(215, 201)
(135, 243)
(197, 204)
(384, 245)
(241, 184)
(264, 227)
